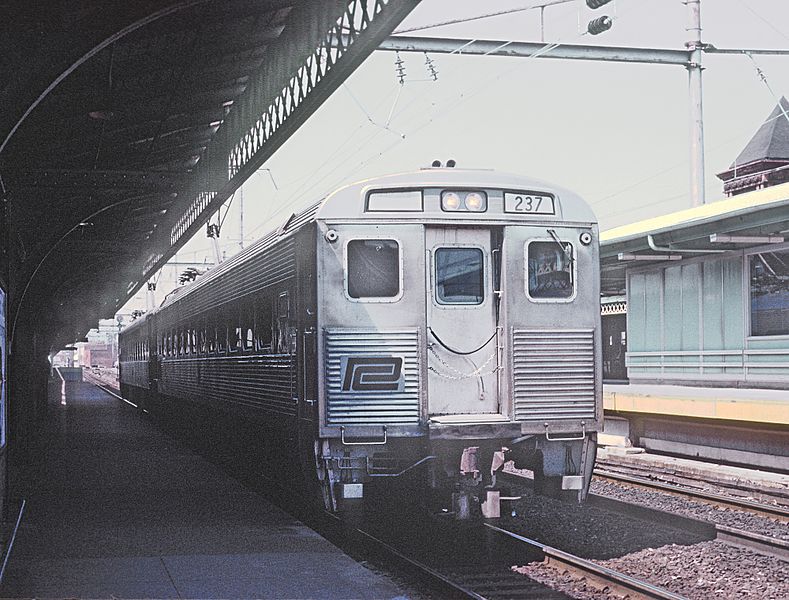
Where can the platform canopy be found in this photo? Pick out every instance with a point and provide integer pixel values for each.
(746, 221)
(125, 125)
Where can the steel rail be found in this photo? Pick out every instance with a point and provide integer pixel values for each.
(620, 582)
(372, 543)
(738, 503)
(763, 544)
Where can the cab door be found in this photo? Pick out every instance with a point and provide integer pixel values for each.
(462, 322)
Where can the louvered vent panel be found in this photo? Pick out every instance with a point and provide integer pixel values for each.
(553, 374)
(354, 407)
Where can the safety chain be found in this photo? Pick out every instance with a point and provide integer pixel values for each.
(460, 374)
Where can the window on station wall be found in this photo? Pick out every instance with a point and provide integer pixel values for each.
(770, 293)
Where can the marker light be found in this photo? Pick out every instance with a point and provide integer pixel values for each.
(450, 201)
(475, 202)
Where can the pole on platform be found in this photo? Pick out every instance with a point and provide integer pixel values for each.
(695, 47)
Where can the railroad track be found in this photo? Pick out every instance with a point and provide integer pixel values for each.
(760, 508)
(492, 582)
(489, 576)
(603, 576)
(753, 541)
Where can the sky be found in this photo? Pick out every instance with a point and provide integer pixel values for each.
(617, 134)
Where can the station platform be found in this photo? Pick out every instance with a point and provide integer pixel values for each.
(733, 404)
(116, 508)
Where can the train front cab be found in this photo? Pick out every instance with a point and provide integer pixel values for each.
(454, 341)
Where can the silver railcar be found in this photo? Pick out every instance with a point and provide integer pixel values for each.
(428, 325)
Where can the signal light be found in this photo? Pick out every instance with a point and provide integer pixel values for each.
(599, 25)
(593, 4)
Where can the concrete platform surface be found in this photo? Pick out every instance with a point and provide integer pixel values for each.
(115, 508)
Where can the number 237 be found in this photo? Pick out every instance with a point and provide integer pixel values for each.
(527, 203)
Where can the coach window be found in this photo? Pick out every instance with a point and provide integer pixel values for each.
(201, 346)
(221, 333)
(373, 269)
(284, 327)
(770, 293)
(233, 336)
(550, 271)
(247, 327)
(460, 276)
(211, 338)
(263, 323)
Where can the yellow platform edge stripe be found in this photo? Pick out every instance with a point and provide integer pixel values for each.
(753, 411)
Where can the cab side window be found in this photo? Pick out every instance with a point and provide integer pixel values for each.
(373, 269)
(550, 270)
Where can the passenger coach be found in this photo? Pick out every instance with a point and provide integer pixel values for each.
(429, 325)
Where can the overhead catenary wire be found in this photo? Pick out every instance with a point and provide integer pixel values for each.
(457, 101)
(764, 20)
(675, 165)
(763, 76)
(433, 118)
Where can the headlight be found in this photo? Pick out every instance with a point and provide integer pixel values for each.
(463, 201)
(475, 202)
(450, 201)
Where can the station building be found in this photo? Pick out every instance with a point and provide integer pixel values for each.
(706, 294)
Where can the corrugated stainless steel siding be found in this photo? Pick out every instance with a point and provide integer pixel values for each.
(273, 265)
(134, 372)
(553, 375)
(267, 382)
(390, 408)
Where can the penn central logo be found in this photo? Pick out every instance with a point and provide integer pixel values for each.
(372, 374)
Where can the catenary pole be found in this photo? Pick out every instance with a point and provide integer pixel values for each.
(695, 47)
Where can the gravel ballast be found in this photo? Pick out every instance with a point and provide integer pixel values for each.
(699, 572)
(696, 509)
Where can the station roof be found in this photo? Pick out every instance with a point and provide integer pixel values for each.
(125, 125)
(755, 219)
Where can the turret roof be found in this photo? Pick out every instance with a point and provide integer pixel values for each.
(771, 141)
